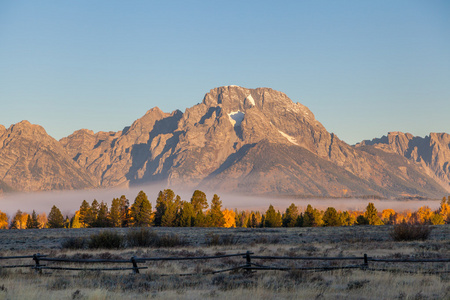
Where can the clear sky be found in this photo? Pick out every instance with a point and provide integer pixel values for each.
(363, 67)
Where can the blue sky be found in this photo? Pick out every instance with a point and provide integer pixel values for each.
(363, 67)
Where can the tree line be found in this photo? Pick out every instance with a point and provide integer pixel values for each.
(171, 211)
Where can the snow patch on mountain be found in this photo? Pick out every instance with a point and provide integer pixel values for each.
(250, 98)
(236, 118)
(289, 138)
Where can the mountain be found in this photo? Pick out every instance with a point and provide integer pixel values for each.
(31, 160)
(239, 140)
(431, 153)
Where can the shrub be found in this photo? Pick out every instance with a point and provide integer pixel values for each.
(74, 243)
(147, 238)
(106, 239)
(169, 240)
(410, 231)
(142, 237)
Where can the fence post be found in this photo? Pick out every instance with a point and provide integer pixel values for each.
(366, 261)
(248, 263)
(37, 266)
(135, 267)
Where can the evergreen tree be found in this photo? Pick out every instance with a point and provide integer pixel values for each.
(186, 215)
(115, 214)
(55, 218)
(290, 216)
(346, 219)
(362, 220)
(215, 214)
(166, 208)
(29, 222)
(124, 211)
(299, 222)
(199, 201)
(32, 222)
(371, 214)
(85, 214)
(141, 211)
(200, 220)
(331, 217)
(95, 207)
(253, 221)
(102, 215)
(173, 207)
(312, 217)
(272, 218)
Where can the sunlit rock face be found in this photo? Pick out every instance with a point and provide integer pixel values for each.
(241, 140)
(431, 153)
(31, 160)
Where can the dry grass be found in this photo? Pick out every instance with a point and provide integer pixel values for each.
(340, 284)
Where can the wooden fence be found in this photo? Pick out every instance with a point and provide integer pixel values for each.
(248, 265)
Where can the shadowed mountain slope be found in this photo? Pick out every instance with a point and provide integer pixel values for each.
(247, 141)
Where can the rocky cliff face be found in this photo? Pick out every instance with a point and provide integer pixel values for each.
(431, 153)
(240, 140)
(31, 160)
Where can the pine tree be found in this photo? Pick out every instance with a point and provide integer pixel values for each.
(85, 214)
(312, 217)
(169, 218)
(32, 222)
(124, 211)
(166, 208)
(141, 211)
(103, 215)
(290, 216)
(215, 214)
(331, 217)
(371, 214)
(186, 215)
(272, 218)
(95, 207)
(115, 214)
(29, 222)
(55, 218)
(199, 201)
(346, 219)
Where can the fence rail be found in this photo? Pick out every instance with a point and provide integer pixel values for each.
(249, 266)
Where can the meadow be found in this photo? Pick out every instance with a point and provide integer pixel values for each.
(161, 279)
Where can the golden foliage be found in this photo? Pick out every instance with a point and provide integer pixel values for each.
(230, 218)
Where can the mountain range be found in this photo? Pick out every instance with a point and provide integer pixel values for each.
(252, 141)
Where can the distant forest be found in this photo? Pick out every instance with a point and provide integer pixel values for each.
(171, 211)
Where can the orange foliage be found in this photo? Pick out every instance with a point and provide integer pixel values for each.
(230, 218)
(3, 220)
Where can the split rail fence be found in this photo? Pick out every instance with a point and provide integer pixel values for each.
(249, 265)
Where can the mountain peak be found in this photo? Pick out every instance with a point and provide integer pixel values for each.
(247, 140)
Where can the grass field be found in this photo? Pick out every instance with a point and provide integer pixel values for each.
(160, 280)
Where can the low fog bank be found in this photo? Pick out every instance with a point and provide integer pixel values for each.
(69, 201)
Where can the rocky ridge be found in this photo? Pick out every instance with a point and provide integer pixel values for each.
(431, 153)
(240, 140)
